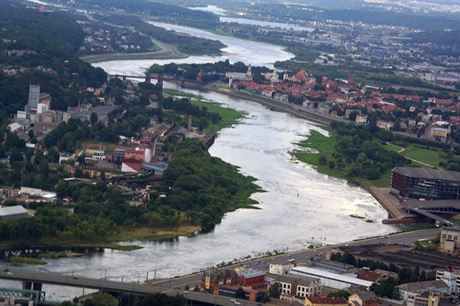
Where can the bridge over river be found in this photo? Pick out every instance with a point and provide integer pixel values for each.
(33, 280)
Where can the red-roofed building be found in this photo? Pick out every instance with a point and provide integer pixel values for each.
(371, 276)
(388, 107)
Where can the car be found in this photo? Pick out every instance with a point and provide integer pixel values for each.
(232, 300)
(237, 303)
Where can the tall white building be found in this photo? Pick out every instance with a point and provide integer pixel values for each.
(451, 278)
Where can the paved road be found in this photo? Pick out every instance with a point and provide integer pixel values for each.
(405, 238)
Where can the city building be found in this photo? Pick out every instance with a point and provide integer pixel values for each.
(330, 279)
(440, 131)
(299, 287)
(240, 76)
(363, 298)
(325, 301)
(34, 98)
(333, 266)
(13, 212)
(450, 240)
(410, 291)
(228, 282)
(427, 183)
(450, 277)
(427, 299)
(279, 269)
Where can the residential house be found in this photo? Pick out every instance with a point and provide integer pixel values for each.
(363, 298)
(298, 287)
(325, 301)
(410, 291)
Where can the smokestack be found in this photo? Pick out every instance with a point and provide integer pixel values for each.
(189, 128)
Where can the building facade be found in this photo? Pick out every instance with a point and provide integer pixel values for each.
(427, 183)
(450, 240)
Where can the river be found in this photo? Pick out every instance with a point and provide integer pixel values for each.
(300, 205)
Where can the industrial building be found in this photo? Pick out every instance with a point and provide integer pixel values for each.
(13, 212)
(426, 183)
(332, 280)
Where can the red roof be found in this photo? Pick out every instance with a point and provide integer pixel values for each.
(301, 75)
(133, 163)
(369, 276)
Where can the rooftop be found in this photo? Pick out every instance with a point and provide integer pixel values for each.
(250, 273)
(329, 275)
(429, 173)
(12, 210)
(326, 300)
(300, 280)
(422, 286)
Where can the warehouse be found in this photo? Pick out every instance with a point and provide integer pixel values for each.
(426, 183)
(332, 280)
(13, 212)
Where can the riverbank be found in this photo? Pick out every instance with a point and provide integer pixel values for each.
(228, 116)
(112, 242)
(156, 55)
(270, 103)
(319, 150)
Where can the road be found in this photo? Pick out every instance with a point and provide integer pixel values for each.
(301, 256)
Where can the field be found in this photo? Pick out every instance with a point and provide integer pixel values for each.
(421, 155)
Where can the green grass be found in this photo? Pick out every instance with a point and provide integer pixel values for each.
(228, 116)
(28, 260)
(424, 155)
(392, 147)
(325, 146)
(383, 181)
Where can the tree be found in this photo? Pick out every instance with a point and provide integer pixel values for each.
(340, 293)
(105, 299)
(322, 160)
(386, 288)
(93, 118)
(275, 290)
(239, 294)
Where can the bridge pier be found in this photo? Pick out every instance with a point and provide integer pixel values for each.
(26, 285)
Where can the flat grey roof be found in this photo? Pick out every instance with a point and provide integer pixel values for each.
(433, 204)
(429, 173)
(12, 210)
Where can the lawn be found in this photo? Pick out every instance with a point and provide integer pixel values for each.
(424, 155)
(392, 147)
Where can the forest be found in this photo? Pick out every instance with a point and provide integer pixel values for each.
(203, 189)
(157, 9)
(52, 41)
(184, 43)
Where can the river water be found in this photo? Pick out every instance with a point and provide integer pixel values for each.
(300, 206)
